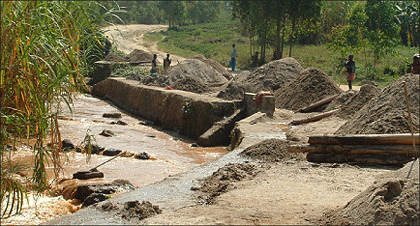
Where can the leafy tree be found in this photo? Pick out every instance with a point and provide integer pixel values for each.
(381, 27)
(407, 15)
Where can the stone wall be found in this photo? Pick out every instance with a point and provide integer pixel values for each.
(188, 113)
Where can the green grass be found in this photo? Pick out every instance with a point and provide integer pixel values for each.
(215, 41)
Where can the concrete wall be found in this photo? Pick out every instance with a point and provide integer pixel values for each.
(189, 113)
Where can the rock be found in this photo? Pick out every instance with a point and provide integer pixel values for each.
(111, 152)
(83, 175)
(85, 190)
(96, 149)
(94, 198)
(146, 123)
(111, 115)
(142, 155)
(66, 145)
(107, 133)
(119, 122)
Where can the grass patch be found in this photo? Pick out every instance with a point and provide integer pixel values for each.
(150, 38)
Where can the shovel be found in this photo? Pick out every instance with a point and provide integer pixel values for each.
(94, 172)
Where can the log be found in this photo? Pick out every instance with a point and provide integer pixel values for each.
(314, 118)
(366, 139)
(318, 104)
(387, 150)
(359, 159)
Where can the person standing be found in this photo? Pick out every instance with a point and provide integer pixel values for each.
(166, 62)
(415, 69)
(350, 69)
(232, 61)
(154, 64)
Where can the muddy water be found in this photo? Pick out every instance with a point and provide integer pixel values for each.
(172, 153)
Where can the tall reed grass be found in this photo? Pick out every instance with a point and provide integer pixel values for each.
(46, 49)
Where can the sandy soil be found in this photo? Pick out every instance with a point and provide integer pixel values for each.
(130, 37)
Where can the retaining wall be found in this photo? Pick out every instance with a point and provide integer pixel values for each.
(189, 113)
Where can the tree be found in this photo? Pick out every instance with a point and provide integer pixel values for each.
(300, 12)
(381, 27)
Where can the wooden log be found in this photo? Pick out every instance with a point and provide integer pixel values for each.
(387, 150)
(359, 159)
(366, 139)
(318, 104)
(314, 118)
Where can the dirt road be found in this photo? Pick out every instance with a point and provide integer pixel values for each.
(130, 37)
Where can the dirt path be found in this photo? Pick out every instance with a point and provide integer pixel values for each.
(130, 37)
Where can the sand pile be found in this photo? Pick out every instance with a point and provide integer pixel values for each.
(310, 86)
(392, 200)
(222, 180)
(341, 99)
(114, 58)
(355, 103)
(271, 150)
(138, 56)
(190, 84)
(214, 64)
(156, 80)
(232, 91)
(272, 76)
(387, 111)
(197, 69)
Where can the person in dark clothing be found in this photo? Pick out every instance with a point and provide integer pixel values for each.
(350, 69)
(166, 62)
(415, 69)
(154, 64)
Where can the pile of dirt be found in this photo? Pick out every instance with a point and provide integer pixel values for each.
(273, 75)
(271, 150)
(190, 84)
(131, 210)
(112, 57)
(197, 69)
(355, 103)
(222, 180)
(310, 86)
(138, 56)
(214, 64)
(158, 80)
(392, 200)
(241, 77)
(386, 113)
(341, 99)
(232, 91)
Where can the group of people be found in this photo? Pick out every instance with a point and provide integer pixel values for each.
(166, 63)
(349, 64)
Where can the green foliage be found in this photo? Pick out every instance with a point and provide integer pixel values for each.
(46, 48)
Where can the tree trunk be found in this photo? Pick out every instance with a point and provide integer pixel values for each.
(366, 139)
(314, 118)
(291, 37)
(277, 55)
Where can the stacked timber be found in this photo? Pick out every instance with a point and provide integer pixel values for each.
(371, 149)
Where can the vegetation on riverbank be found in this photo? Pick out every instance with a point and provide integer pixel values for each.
(47, 48)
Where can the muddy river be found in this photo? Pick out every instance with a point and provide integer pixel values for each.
(171, 153)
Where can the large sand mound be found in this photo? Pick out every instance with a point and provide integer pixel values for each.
(310, 86)
(392, 200)
(216, 65)
(355, 103)
(387, 111)
(190, 84)
(197, 69)
(139, 56)
(341, 99)
(272, 76)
